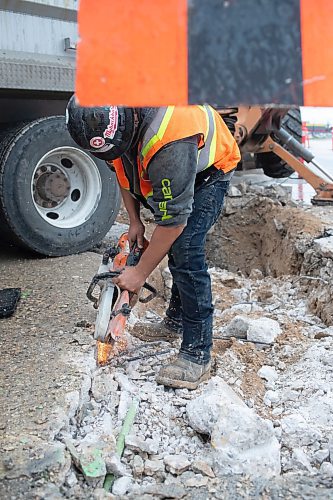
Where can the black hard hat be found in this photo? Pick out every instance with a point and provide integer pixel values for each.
(106, 132)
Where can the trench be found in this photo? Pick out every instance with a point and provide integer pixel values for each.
(263, 235)
(258, 233)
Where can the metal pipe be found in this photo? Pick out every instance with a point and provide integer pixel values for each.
(322, 170)
(289, 141)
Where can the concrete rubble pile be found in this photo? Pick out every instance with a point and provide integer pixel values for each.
(262, 426)
(268, 410)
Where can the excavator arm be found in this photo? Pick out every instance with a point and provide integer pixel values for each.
(258, 130)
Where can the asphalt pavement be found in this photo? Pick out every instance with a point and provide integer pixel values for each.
(44, 364)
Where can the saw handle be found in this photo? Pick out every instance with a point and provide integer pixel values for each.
(95, 280)
(152, 295)
(113, 274)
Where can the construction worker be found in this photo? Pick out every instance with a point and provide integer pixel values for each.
(177, 161)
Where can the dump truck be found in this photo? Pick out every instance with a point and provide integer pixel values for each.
(55, 198)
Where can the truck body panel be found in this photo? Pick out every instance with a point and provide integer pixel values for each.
(34, 55)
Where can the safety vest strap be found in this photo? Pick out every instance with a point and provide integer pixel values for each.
(120, 172)
(157, 129)
(206, 155)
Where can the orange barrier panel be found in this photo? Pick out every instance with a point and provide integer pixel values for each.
(317, 51)
(140, 52)
(143, 40)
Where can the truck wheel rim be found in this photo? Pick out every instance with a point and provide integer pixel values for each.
(66, 187)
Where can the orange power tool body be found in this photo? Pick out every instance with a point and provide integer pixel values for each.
(113, 303)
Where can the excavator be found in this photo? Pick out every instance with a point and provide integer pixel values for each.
(273, 136)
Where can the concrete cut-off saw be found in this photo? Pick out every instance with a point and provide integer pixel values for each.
(113, 304)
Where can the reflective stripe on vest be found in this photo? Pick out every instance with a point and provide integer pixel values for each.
(157, 129)
(206, 155)
(155, 134)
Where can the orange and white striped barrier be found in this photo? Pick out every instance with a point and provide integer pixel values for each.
(305, 136)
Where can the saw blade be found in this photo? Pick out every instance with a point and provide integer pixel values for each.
(104, 311)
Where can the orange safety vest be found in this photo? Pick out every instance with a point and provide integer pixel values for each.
(216, 145)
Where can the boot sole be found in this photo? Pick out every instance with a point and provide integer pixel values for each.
(182, 384)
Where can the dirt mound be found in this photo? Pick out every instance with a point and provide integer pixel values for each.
(263, 235)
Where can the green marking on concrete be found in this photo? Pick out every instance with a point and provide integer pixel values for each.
(120, 445)
(93, 466)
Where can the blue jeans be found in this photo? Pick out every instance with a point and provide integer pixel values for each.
(191, 296)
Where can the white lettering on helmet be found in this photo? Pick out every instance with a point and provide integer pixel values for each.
(111, 129)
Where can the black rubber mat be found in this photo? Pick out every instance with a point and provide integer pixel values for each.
(9, 298)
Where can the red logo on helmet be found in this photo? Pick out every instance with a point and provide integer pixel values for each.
(111, 129)
(97, 142)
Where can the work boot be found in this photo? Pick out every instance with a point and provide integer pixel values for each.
(183, 373)
(167, 330)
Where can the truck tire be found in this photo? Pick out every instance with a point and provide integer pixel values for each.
(271, 164)
(55, 198)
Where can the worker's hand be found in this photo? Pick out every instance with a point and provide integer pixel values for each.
(130, 279)
(136, 232)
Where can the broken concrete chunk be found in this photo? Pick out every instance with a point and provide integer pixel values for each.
(196, 482)
(203, 412)
(321, 455)
(138, 466)
(300, 460)
(105, 427)
(296, 432)
(271, 397)
(165, 491)
(234, 192)
(238, 327)
(227, 278)
(256, 274)
(243, 442)
(125, 402)
(324, 246)
(102, 494)
(326, 469)
(115, 466)
(125, 383)
(263, 330)
(153, 467)
(91, 454)
(47, 458)
(122, 486)
(268, 373)
(71, 480)
(137, 444)
(203, 468)
(103, 386)
(92, 464)
(176, 464)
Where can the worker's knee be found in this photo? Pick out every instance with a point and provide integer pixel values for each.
(188, 255)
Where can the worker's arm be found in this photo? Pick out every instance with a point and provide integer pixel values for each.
(132, 278)
(136, 228)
